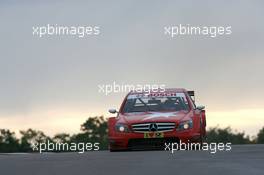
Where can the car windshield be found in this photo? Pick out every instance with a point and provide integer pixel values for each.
(160, 102)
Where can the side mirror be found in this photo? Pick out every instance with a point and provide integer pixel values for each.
(112, 111)
(200, 107)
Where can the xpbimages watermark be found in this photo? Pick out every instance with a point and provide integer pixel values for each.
(63, 30)
(49, 146)
(187, 29)
(117, 88)
(211, 147)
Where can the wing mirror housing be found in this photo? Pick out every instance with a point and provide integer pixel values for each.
(200, 107)
(112, 111)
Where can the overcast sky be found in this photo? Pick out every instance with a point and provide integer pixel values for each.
(51, 83)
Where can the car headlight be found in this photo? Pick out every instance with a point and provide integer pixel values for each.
(185, 125)
(121, 128)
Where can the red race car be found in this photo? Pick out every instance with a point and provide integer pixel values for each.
(148, 120)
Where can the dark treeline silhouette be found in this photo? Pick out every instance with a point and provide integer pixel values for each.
(94, 129)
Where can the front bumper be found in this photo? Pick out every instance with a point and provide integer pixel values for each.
(132, 140)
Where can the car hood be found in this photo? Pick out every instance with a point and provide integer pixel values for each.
(144, 117)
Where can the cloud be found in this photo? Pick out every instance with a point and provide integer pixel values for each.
(64, 72)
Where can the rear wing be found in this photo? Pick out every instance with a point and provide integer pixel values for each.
(191, 94)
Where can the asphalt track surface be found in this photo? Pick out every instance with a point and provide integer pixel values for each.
(242, 159)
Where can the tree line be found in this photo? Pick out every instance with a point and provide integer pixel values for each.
(94, 129)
